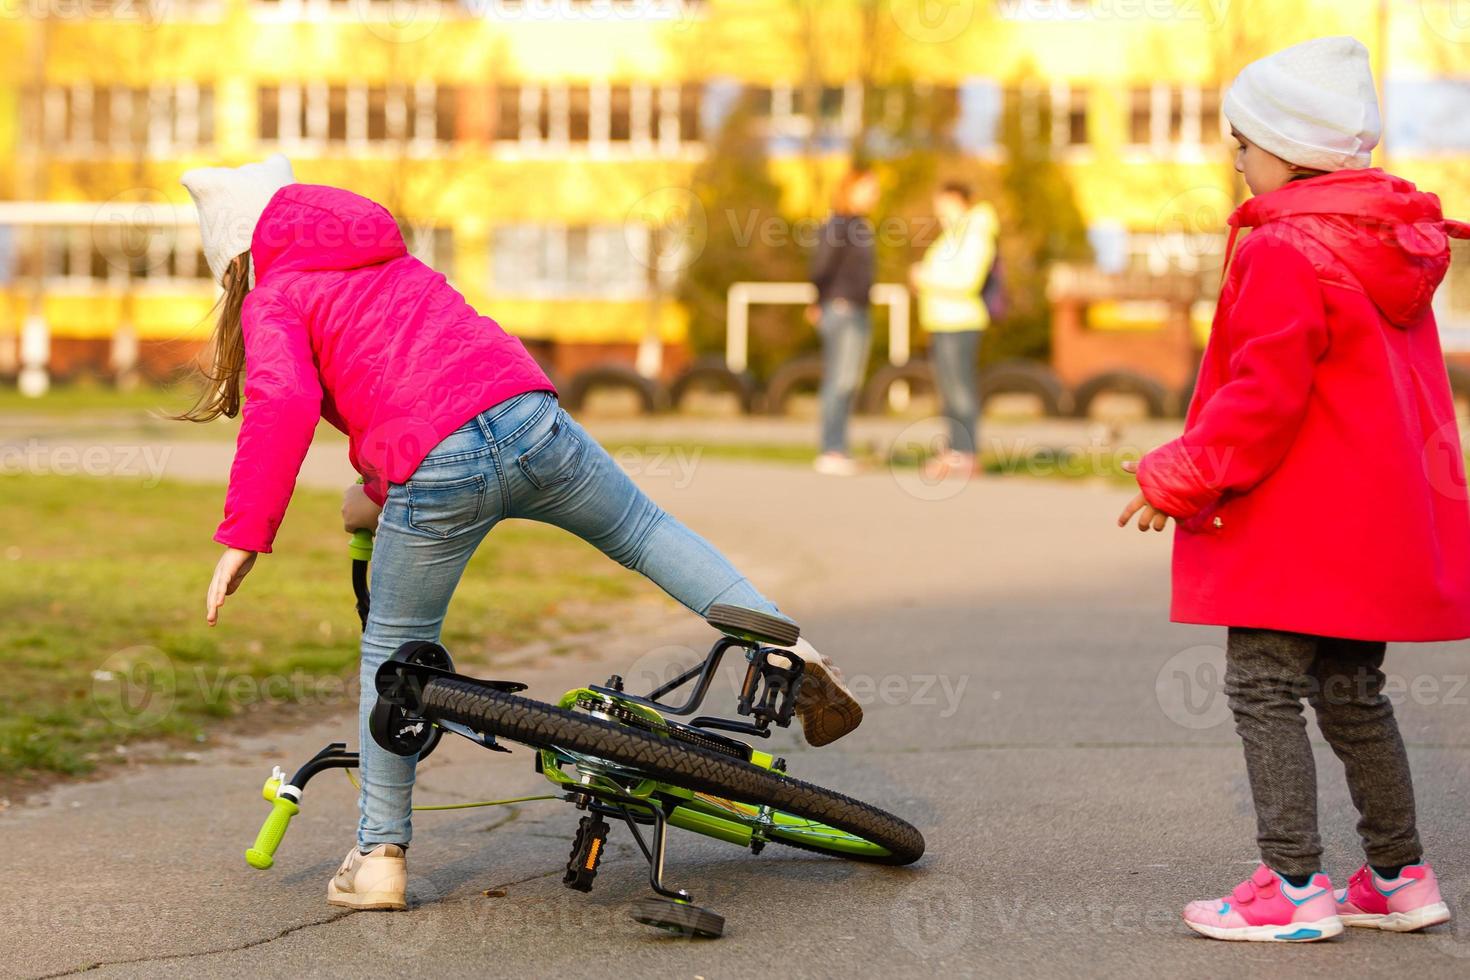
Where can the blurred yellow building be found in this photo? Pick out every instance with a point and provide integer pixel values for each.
(530, 146)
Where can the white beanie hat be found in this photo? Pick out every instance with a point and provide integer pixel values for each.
(1312, 104)
(230, 202)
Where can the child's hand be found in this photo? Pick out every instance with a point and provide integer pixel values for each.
(359, 513)
(1148, 515)
(233, 566)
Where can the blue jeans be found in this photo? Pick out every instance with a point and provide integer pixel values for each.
(847, 334)
(523, 458)
(955, 356)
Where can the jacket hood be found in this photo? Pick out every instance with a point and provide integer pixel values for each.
(310, 228)
(1391, 237)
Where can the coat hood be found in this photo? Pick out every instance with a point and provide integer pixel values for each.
(311, 228)
(1391, 237)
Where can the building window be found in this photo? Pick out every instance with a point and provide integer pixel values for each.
(1169, 118)
(620, 113)
(98, 120)
(1056, 114)
(293, 114)
(657, 119)
(569, 261)
(87, 257)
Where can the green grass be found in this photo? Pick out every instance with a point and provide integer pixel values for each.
(1039, 462)
(93, 399)
(101, 595)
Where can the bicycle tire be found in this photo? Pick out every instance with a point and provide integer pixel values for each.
(547, 726)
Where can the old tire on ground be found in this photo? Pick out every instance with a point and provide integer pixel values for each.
(918, 375)
(1155, 396)
(648, 393)
(799, 374)
(712, 373)
(541, 725)
(1019, 377)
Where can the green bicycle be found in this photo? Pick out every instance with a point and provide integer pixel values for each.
(622, 757)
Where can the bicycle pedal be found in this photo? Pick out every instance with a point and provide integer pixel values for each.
(587, 850)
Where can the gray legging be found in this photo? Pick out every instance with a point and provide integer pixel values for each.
(1267, 674)
(956, 356)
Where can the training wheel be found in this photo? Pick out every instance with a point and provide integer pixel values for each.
(393, 728)
(679, 918)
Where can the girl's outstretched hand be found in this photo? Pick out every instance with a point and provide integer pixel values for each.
(1148, 515)
(233, 566)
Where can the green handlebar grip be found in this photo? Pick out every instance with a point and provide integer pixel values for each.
(262, 855)
(361, 547)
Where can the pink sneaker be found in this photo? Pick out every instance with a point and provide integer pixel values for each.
(1404, 904)
(1266, 908)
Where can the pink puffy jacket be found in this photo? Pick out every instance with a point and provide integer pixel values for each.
(1319, 482)
(344, 324)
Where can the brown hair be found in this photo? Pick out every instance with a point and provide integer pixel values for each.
(842, 197)
(226, 352)
(957, 188)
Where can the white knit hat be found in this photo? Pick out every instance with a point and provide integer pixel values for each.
(1312, 104)
(230, 202)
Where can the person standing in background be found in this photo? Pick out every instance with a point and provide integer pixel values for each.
(949, 281)
(842, 270)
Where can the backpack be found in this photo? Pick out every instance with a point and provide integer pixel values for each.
(993, 290)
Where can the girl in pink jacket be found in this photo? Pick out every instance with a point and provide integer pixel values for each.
(453, 427)
(1319, 488)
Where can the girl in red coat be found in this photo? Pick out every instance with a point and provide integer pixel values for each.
(1319, 488)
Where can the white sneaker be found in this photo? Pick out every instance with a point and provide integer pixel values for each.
(375, 880)
(836, 464)
(825, 706)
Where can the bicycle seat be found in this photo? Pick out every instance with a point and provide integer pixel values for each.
(752, 625)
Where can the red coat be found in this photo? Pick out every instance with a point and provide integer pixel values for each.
(1319, 483)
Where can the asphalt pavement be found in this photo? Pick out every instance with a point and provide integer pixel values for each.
(1064, 749)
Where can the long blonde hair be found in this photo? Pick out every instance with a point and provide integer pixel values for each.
(226, 351)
